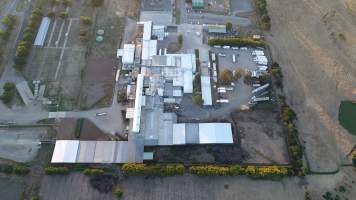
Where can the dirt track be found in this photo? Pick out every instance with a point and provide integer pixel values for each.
(320, 71)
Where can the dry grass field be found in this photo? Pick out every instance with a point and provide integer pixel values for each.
(315, 43)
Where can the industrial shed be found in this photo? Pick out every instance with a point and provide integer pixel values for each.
(75, 151)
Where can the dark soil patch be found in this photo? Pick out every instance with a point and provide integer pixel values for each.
(103, 183)
(91, 132)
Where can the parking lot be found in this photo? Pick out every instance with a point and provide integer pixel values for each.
(244, 59)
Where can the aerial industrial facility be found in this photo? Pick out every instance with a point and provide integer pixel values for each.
(161, 79)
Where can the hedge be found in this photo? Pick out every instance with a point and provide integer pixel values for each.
(268, 172)
(56, 170)
(93, 172)
(237, 41)
(156, 170)
(21, 169)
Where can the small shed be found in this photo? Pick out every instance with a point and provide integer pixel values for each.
(198, 4)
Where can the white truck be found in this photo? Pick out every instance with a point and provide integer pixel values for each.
(255, 100)
(233, 58)
(260, 89)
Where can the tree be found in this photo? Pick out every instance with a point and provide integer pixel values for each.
(180, 39)
(55, 2)
(228, 26)
(67, 2)
(238, 74)
(97, 3)
(247, 77)
(9, 21)
(85, 20)
(3, 34)
(197, 99)
(118, 192)
(63, 15)
(51, 14)
(226, 77)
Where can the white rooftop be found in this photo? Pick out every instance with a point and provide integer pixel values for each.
(206, 90)
(65, 151)
(128, 54)
(215, 133)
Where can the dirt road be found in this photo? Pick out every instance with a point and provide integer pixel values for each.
(315, 42)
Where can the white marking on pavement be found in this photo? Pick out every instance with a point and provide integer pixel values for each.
(63, 48)
(52, 32)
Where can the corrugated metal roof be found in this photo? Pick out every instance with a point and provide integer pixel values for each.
(65, 151)
(206, 90)
(179, 134)
(128, 54)
(42, 31)
(215, 133)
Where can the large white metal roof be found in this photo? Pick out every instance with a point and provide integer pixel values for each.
(215, 133)
(75, 151)
(206, 90)
(138, 104)
(128, 54)
(178, 134)
(149, 49)
(65, 151)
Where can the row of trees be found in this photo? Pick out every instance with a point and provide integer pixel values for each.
(266, 172)
(262, 9)
(24, 47)
(154, 170)
(237, 41)
(64, 2)
(17, 169)
(93, 171)
(227, 76)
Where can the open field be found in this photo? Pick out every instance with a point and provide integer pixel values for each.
(98, 77)
(20, 145)
(320, 71)
(262, 136)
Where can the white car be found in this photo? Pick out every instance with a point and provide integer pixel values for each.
(243, 48)
(217, 46)
(226, 47)
(222, 55)
(235, 48)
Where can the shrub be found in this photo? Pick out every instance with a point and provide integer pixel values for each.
(238, 74)
(51, 14)
(237, 41)
(268, 172)
(93, 172)
(97, 3)
(228, 26)
(21, 169)
(156, 170)
(118, 192)
(287, 115)
(34, 198)
(180, 39)
(67, 2)
(56, 170)
(197, 84)
(85, 19)
(198, 99)
(63, 15)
